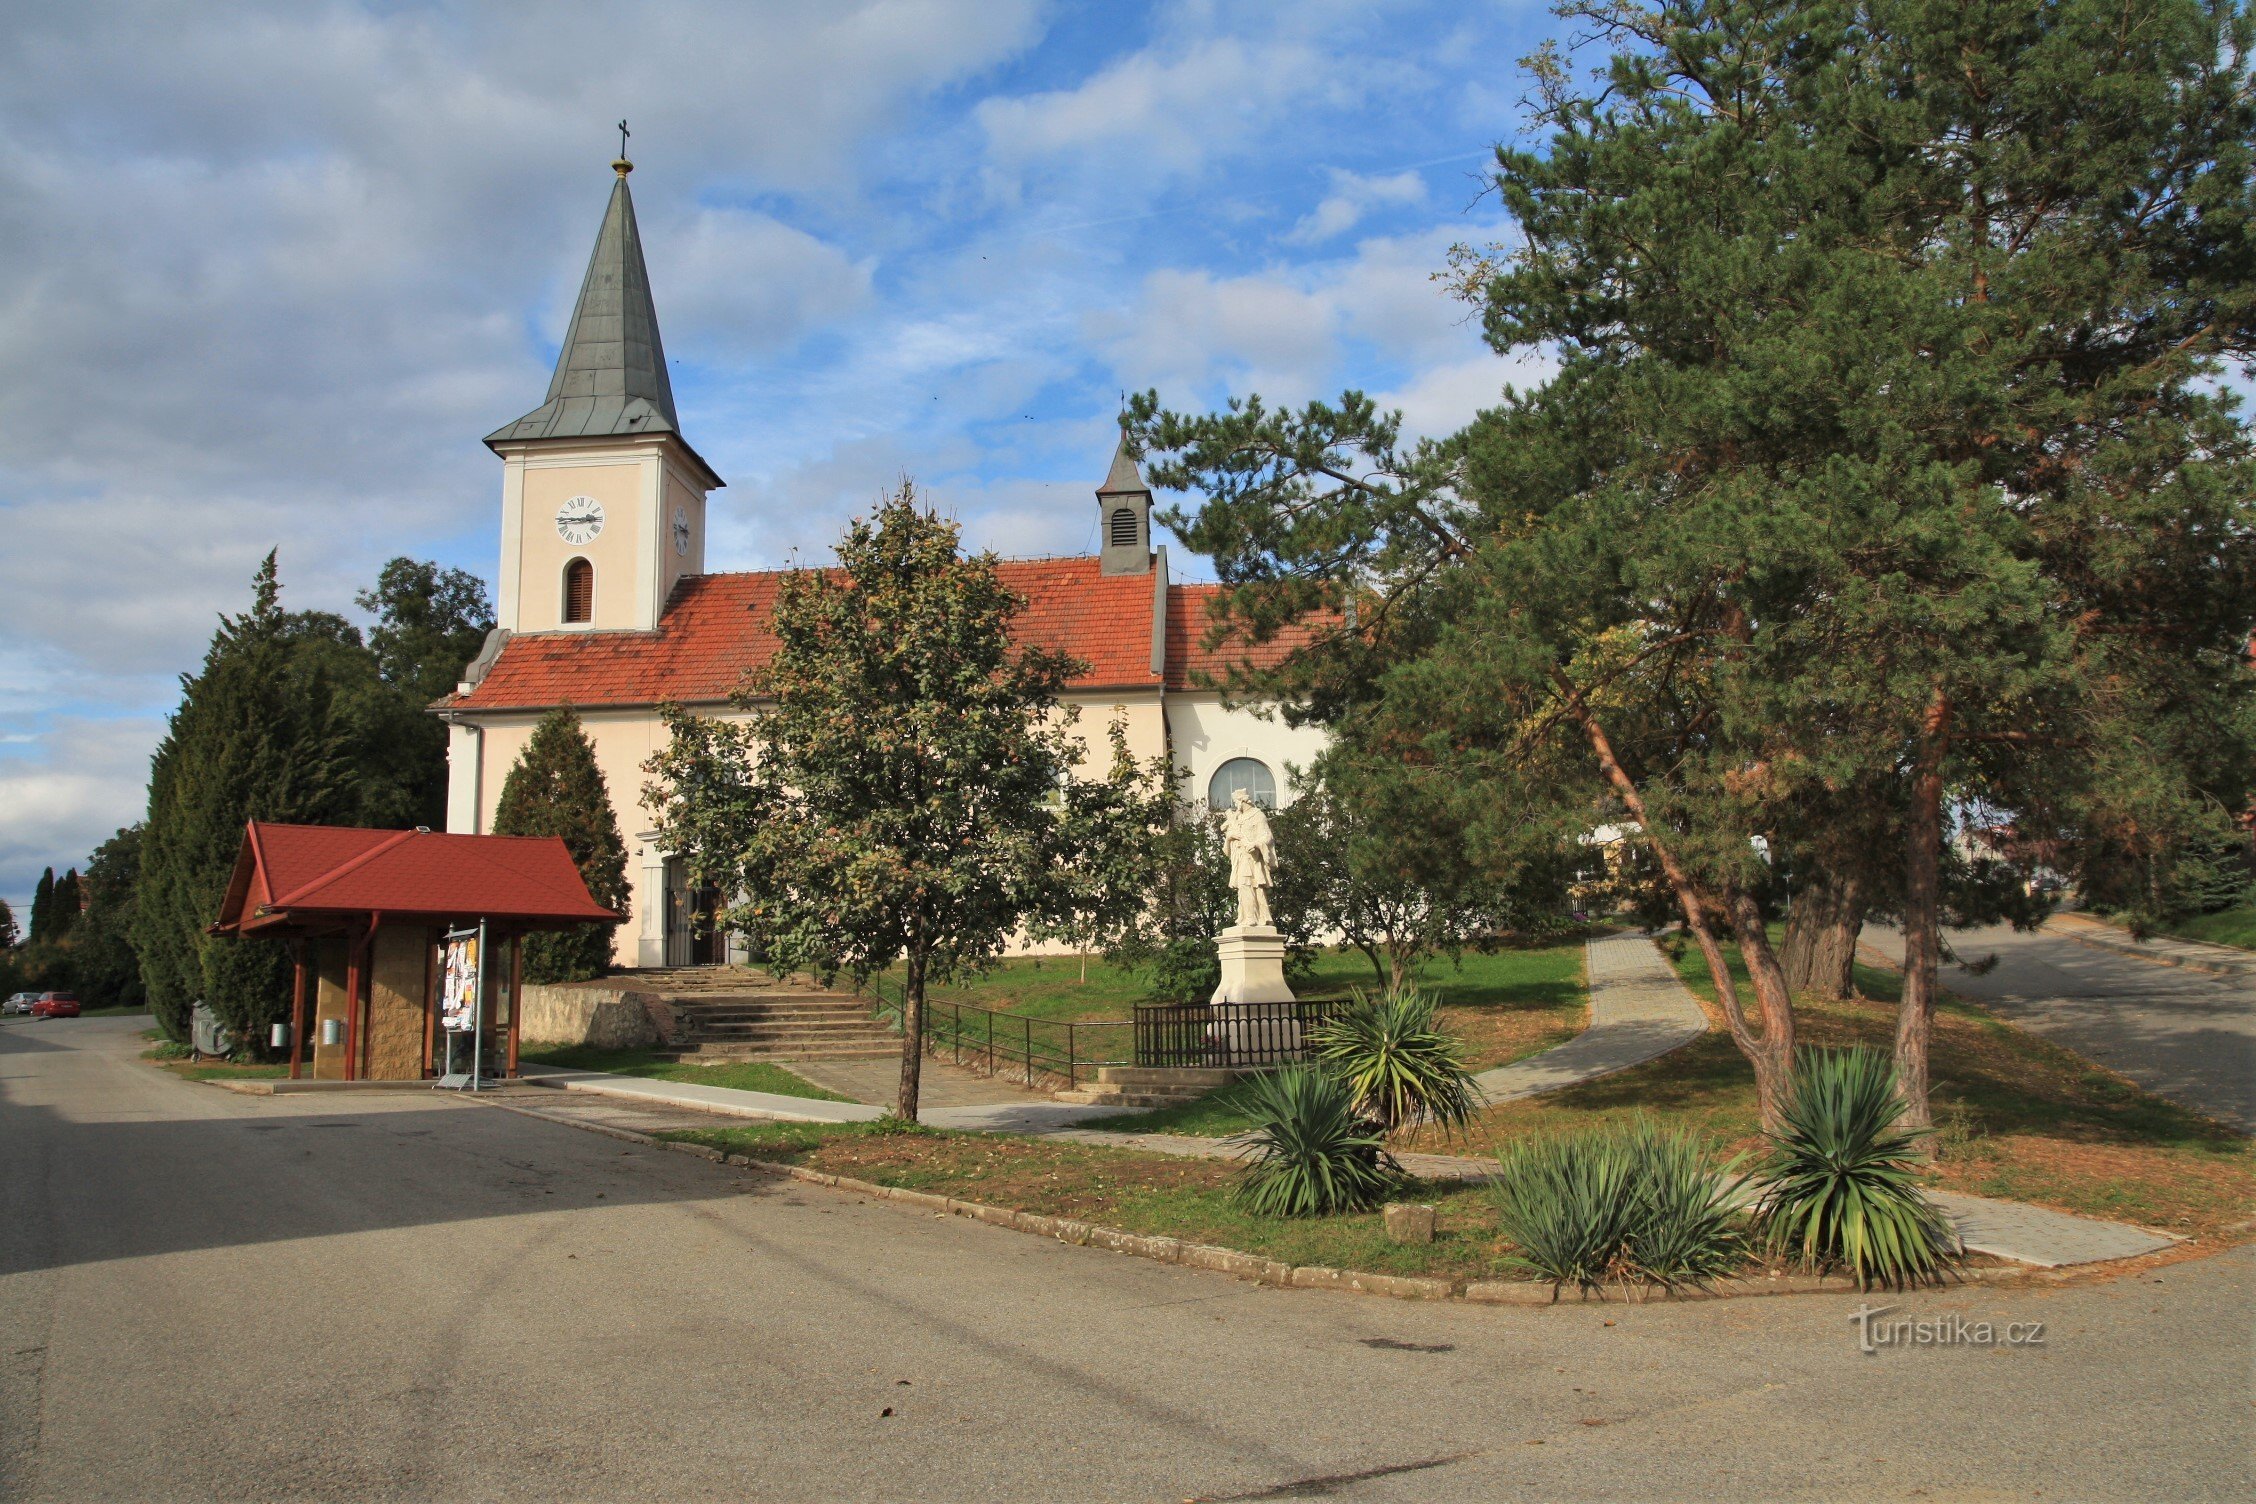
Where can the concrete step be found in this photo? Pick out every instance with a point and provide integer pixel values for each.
(785, 1052)
(1166, 1078)
(777, 1015)
(1099, 1096)
(816, 1030)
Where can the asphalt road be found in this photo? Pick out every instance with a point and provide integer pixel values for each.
(2184, 1034)
(211, 1296)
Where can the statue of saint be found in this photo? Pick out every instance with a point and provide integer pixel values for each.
(1252, 849)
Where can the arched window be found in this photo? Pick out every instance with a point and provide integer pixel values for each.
(1122, 528)
(1241, 773)
(579, 591)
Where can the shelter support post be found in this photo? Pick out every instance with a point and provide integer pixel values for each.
(297, 1005)
(516, 996)
(430, 999)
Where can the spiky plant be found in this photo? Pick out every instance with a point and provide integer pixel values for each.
(1839, 1185)
(1309, 1153)
(1621, 1201)
(1399, 1067)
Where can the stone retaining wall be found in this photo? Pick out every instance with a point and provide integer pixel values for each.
(607, 1018)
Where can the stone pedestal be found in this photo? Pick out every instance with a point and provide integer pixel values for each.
(1253, 965)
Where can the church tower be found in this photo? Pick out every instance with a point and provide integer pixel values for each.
(1124, 517)
(602, 499)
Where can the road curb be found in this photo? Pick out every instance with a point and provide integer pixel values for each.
(2137, 952)
(1252, 1268)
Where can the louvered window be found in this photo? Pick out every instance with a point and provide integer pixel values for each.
(579, 591)
(1123, 526)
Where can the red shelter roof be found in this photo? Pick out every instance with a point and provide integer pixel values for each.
(290, 876)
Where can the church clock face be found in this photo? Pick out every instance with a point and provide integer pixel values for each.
(579, 520)
(681, 531)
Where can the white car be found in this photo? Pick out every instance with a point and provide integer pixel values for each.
(19, 1002)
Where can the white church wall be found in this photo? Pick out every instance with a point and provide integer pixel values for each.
(1205, 734)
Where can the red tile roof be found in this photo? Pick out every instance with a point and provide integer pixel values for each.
(1193, 665)
(286, 873)
(715, 631)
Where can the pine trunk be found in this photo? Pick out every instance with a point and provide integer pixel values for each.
(912, 1040)
(1819, 954)
(1922, 915)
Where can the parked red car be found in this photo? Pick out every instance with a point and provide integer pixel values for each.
(55, 1005)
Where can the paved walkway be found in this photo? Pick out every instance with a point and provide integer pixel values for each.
(2169, 950)
(2186, 1035)
(1639, 1009)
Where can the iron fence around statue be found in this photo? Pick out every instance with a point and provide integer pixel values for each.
(1225, 1036)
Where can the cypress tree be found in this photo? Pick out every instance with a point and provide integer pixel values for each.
(42, 905)
(251, 740)
(8, 934)
(556, 789)
(63, 908)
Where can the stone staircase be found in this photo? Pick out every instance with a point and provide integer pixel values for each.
(737, 1013)
(1148, 1086)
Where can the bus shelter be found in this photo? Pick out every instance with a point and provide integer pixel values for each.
(368, 914)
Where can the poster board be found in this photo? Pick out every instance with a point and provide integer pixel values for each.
(462, 1006)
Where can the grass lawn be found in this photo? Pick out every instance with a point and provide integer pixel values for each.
(735, 1075)
(178, 1060)
(1504, 1005)
(2234, 926)
(1143, 1193)
(2021, 1118)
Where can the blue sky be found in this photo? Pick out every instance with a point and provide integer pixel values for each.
(279, 267)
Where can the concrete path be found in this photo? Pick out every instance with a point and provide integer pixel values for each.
(2186, 1035)
(1639, 1009)
(407, 1297)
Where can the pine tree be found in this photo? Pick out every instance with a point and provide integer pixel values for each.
(1886, 447)
(42, 906)
(555, 788)
(252, 739)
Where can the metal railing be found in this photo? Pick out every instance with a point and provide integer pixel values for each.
(1227, 1035)
(1177, 1035)
(1013, 1044)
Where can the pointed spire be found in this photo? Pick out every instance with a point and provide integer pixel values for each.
(611, 374)
(1123, 476)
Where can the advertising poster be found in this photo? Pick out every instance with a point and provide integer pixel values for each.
(459, 991)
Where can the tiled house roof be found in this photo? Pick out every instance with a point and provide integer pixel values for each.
(1191, 664)
(715, 631)
(287, 873)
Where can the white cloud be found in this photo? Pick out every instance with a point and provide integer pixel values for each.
(737, 284)
(1353, 196)
(58, 802)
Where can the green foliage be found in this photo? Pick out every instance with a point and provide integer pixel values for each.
(1403, 865)
(1309, 1153)
(1401, 1071)
(555, 788)
(900, 786)
(1839, 1185)
(43, 905)
(1885, 436)
(1619, 1202)
(429, 623)
(9, 934)
(253, 738)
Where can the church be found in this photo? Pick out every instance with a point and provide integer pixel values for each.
(603, 602)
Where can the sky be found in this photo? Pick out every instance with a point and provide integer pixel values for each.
(275, 269)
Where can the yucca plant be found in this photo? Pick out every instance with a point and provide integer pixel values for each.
(1619, 1202)
(1400, 1068)
(1564, 1202)
(1309, 1153)
(1686, 1227)
(1839, 1185)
